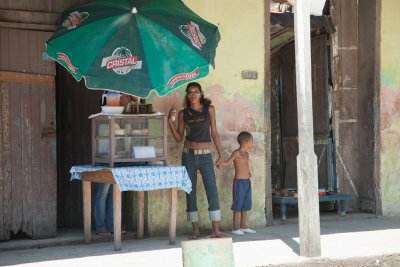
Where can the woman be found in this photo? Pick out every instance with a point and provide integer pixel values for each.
(103, 209)
(198, 119)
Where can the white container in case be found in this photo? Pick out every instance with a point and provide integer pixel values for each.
(142, 152)
(104, 146)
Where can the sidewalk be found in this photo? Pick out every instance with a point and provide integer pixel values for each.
(342, 238)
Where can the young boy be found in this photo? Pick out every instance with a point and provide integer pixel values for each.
(241, 184)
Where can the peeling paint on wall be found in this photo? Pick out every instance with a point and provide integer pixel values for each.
(390, 108)
(241, 112)
(239, 105)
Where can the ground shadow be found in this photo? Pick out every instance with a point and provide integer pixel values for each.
(286, 232)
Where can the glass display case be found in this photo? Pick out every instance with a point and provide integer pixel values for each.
(129, 138)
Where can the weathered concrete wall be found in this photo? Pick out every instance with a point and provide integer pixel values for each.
(239, 104)
(390, 108)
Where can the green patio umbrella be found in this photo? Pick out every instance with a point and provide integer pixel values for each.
(134, 46)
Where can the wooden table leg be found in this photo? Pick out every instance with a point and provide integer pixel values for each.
(87, 210)
(140, 214)
(172, 220)
(117, 217)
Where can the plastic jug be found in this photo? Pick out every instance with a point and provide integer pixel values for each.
(111, 98)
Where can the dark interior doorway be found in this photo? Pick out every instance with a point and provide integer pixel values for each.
(284, 126)
(74, 104)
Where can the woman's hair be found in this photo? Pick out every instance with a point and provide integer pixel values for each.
(203, 100)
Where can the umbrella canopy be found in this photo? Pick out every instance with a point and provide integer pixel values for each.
(134, 46)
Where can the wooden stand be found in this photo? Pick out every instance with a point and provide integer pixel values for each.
(112, 155)
(105, 176)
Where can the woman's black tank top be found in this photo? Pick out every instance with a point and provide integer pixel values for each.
(197, 124)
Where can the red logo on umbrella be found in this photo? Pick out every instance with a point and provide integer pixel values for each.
(75, 19)
(65, 58)
(192, 31)
(121, 61)
(183, 76)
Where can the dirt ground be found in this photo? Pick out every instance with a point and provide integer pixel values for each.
(381, 261)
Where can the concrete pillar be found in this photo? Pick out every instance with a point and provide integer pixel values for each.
(307, 172)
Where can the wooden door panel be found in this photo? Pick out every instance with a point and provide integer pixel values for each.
(5, 174)
(32, 161)
(16, 155)
(276, 144)
(28, 210)
(289, 112)
(45, 225)
(28, 178)
(2, 212)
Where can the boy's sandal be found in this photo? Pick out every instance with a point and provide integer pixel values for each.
(248, 230)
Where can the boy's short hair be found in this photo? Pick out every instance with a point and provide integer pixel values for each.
(243, 137)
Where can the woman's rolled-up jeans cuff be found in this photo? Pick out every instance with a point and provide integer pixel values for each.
(193, 216)
(215, 215)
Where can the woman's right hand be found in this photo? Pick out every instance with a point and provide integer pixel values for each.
(177, 129)
(172, 114)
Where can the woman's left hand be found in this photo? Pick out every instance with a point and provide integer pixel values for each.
(219, 161)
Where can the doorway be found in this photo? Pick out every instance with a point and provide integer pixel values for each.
(284, 126)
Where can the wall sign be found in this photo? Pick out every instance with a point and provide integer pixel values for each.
(249, 75)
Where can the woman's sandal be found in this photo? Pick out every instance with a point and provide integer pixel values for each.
(219, 235)
(194, 236)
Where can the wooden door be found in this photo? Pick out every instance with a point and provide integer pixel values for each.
(321, 113)
(28, 176)
(276, 134)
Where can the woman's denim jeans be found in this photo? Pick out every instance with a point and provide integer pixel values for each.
(103, 207)
(204, 163)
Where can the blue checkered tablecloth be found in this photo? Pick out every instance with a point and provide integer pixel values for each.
(143, 178)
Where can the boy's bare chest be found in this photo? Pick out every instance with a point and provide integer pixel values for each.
(242, 158)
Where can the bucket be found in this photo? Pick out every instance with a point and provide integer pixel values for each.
(111, 98)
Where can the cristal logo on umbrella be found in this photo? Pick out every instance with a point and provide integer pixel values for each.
(121, 61)
(75, 19)
(65, 58)
(183, 76)
(192, 31)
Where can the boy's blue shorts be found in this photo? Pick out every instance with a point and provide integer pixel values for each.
(241, 195)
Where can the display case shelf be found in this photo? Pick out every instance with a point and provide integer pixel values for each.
(129, 138)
